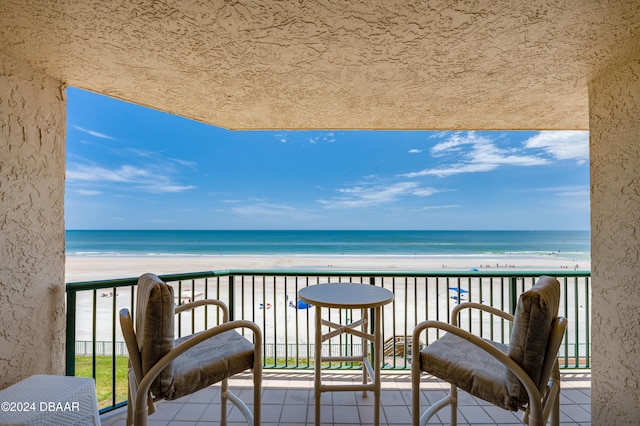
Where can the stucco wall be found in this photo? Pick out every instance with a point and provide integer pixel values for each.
(32, 168)
(614, 100)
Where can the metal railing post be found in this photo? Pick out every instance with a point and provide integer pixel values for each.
(231, 297)
(71, 334)
(513, 294)
(372, 322)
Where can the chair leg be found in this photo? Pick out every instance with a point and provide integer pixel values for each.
(555, 411)
(415, 397)
(454, 405)
(257, 395)
(418, 418)
(130, 403)
(224, 388)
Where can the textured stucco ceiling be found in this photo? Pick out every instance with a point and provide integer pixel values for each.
(333, 64)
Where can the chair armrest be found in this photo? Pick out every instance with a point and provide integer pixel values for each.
(126, 326)
(192, 305)
(472, 305)
(535, 404)
(145, 383)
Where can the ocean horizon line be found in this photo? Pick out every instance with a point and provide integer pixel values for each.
(340, 243)
(327, 230)
(323, 255)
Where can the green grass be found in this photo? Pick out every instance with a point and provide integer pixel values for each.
(104, 377)
(104, 374)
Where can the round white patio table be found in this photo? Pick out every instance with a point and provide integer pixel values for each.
(348, 296)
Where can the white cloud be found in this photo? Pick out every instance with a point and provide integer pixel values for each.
(281, 137)
(100, 174)
(185, 163)
(563, 145)
(577, 193)
(453, 170)
(144, 179)
(415, 151)
(157, 174)
(144, 152)
(327, 137)
(162, 161)
(367, 194)
(93, 133)
(167, 188)
(566, 191)
(303, 136)
(424, 192)
(263, 209)
(471, 154)
(454, 141)
(88, 192)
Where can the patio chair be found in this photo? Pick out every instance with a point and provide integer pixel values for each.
(163, 368)
(523, 375)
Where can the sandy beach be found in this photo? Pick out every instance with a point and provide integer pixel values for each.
(279, 321)
(88, 268)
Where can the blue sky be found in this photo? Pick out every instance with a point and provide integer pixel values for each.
(130, 167)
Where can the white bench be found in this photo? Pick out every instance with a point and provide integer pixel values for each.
(51, 401)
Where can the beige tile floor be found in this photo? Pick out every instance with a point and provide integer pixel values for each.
(288, 401)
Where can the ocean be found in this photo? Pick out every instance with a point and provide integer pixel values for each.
(569, 244)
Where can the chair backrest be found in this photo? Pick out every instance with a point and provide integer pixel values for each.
(536, 314)
(154, 327)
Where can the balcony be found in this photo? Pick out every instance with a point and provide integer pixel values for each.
(95, 348)
(288, 401)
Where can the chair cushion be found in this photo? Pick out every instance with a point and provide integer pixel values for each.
(208, 362)
(459, 362)
(533, 318)
(155, 327)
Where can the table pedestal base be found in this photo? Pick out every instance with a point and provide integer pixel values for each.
(370, 373)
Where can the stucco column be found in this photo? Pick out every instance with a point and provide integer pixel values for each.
(32, 169)
(614, 114)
